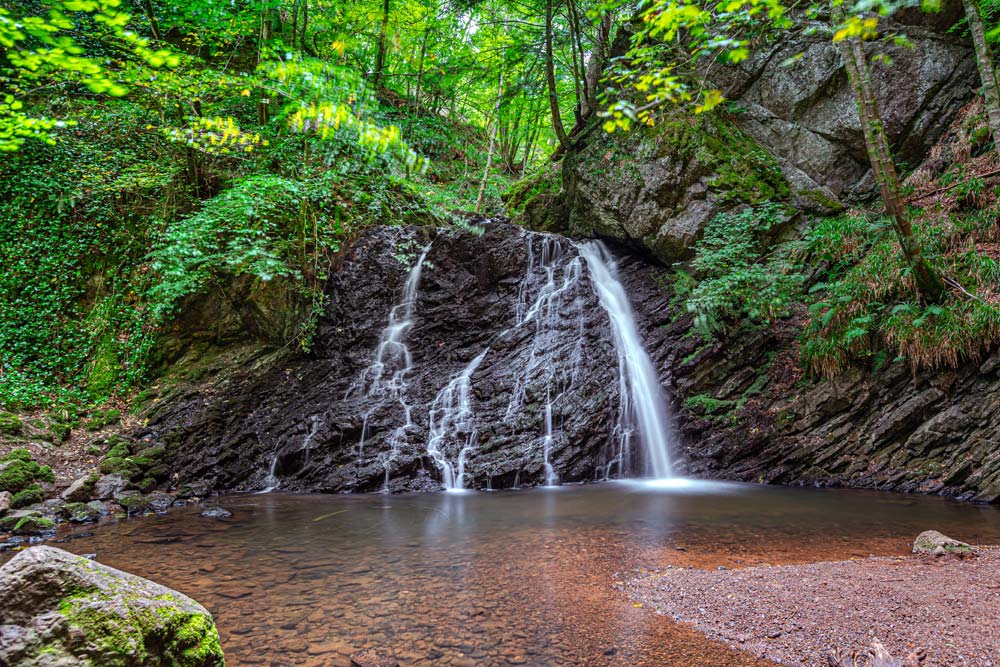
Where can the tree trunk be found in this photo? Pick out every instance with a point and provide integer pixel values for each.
(493, 143)
(550, 79)
(305, 26)
(883, 167)
(420, 66)
(987, 72)
(383, 44)
(595, 66)
(154, 26)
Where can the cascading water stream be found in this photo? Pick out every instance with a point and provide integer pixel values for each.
(642, 410)
(452, 419)
(548, 312)
(385, 379)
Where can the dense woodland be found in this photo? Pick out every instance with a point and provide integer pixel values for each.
(152, 149)
(255, 254)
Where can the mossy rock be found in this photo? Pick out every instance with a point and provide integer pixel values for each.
(19, 454)
(135, 504)
(34, 525)
(10, 424)
(104, 369)
(27, 496)
(159, 472)
(80, 512)
(105, 616)
(18, 474)
(155, 453)
(59, 432)
(119, 451)
(147, 484)
(114, 465)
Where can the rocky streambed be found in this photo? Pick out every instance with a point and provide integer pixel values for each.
(947, 607)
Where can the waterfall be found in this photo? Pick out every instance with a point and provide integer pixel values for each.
(642, 410)
(552, 275)
(385, 378)
(453, 420)
(271, 482)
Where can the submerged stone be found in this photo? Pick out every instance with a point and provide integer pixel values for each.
(62, 609)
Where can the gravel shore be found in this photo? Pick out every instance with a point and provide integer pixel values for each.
(797, 614)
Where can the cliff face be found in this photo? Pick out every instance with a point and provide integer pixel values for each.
(441, 352)
(748, 414)
(259, 417)
(791, 134)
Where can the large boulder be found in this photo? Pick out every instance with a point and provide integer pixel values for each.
(59, 609)
(657, 187)
(791, 134)
(933, 543)
(805, 113)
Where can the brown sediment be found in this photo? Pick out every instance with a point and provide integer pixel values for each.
(798, 614)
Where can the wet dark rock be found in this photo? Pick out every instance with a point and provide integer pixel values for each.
(81, 490)
(134, 503)
(933, 543)
(34, 525)
(305, 414)
(933, 432)
(74, 612)
(159, 501)
(109, 486)
(216, 513)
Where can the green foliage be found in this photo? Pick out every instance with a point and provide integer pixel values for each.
(41, 48)
(739, 278)
(864, 308)
(707, 405)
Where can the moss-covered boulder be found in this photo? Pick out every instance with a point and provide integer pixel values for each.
(659, 186)
(10, 424)
(18, 472)
(27, 496)
(62, 609)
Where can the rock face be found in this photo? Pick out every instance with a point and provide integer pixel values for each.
(58, 609)
(307, 423)
(500, 325)
(805, 114)
(750, 415)
(795, 137)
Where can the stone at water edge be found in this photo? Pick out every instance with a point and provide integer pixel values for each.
(109, 486)
(59, 609)
(373, 658)
(216, 513)
(80, 491)
(936, 544)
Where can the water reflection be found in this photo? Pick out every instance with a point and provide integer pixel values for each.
(499, 578)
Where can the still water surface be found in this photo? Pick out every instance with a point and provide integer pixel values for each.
(493, 579)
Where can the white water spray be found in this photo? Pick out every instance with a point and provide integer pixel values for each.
(386, 378)
(642, 410)
(452, 420)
